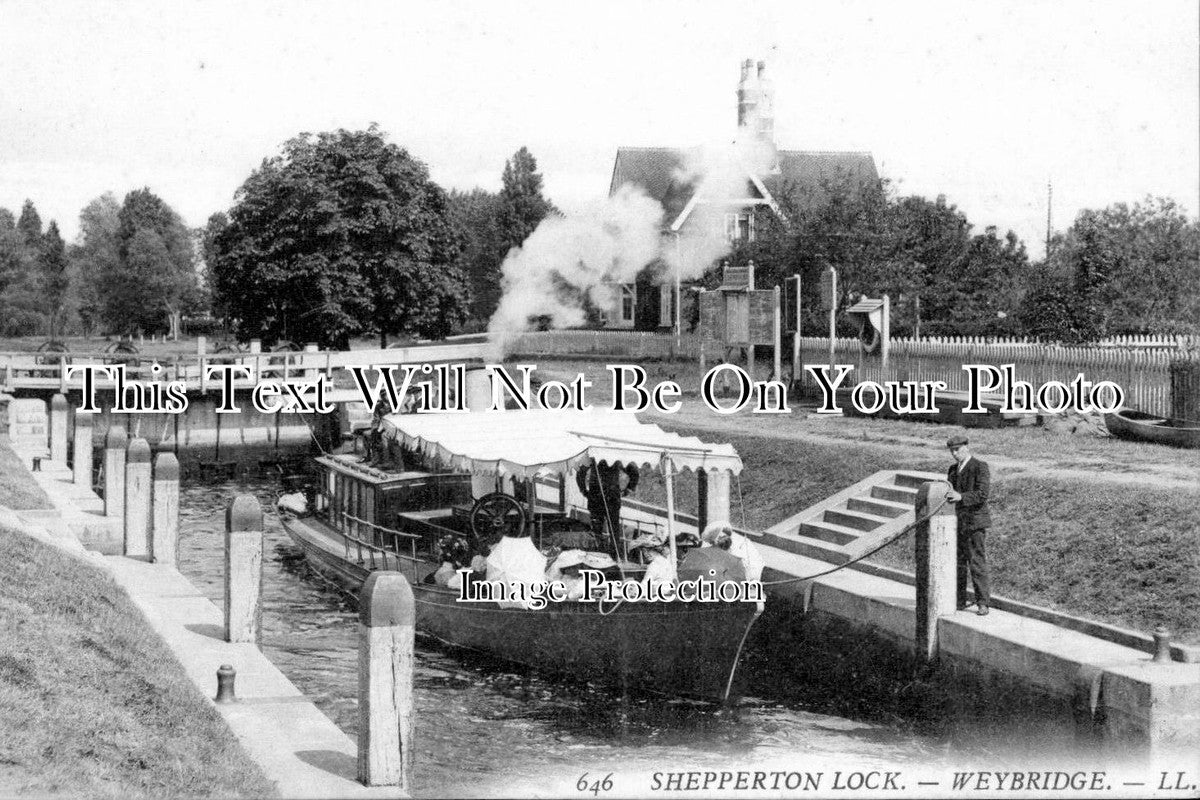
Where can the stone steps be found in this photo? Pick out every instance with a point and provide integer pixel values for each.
(855, 520)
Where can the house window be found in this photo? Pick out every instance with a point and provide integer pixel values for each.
(666, 314)
(739, 226)
(627, 303)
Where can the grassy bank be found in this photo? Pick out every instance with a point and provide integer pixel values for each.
(18, 489)
(1128, 557)
(91, 702)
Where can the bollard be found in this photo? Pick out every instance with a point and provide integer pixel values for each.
(114, 472)
(385, 680)
(226, 675)
(82, 457)
(164, 528)
(243, 569)
(937, 569)
(1162, 645)
(59, 413)
(138, 488)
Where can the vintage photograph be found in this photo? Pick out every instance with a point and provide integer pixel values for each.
(614, 400)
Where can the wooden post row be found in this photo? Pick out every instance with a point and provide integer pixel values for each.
(936, 563)
(385, 680)
(243, 569)
(137, 498)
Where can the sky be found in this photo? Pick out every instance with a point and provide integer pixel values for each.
(985, 103)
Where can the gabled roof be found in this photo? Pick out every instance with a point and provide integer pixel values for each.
(662, 172)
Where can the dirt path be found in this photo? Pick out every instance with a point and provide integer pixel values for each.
(1044, 454)
(827, 430)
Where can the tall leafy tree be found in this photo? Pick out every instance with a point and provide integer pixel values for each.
(522, 206)
(154, 274)
(55, 278)
(30, 224)
(475, 214)
(95, 258)
(20, 250)
(342, 234)
(1121, 270)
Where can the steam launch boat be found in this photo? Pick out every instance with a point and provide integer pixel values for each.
(498, 489)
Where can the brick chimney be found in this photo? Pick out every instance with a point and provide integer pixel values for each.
(756, 115)
(748, 97)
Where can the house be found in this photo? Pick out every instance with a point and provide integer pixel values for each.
(725, 208)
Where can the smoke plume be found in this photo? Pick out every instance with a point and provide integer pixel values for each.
(567, 259)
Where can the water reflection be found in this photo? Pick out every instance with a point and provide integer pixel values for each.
(483, 729)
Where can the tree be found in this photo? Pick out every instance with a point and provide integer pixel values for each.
(21, 302)
(979, 292)
(30, 224)
(96, 258)
(522, 206)
(55, 279)
(340, 235)
(1121, 270)
(154, 275)
(475, 214)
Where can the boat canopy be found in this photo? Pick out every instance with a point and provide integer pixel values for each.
(538, 442)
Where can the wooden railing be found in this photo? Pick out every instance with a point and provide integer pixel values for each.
(25, 370)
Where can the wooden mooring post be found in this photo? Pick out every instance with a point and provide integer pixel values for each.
(936, 564)
(138, 488)
(243, 569)
(164, 531)
(114, 471)
(386, 722)
(81, 464)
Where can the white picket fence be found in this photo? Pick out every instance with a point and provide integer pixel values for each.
(1143, 373)
(1140, 365)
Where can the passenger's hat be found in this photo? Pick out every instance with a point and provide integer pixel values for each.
(957, 440)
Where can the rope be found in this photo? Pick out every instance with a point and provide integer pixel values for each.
(870, 552)
(741, 502)
(737, 657)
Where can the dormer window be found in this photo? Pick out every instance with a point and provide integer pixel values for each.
(739, 227)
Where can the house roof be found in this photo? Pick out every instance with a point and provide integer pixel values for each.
(663, 173)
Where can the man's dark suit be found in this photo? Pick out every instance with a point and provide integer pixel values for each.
(973, 482)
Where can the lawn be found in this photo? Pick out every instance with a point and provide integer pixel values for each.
(18, 489)
(1127, 557)
(92, 704)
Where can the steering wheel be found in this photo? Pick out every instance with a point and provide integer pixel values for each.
(495, 515)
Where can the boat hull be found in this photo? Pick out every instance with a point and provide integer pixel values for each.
(676, 648)
(1140, 427)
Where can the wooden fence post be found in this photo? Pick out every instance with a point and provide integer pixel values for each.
(385, 680)
(937, 568)
(137, 498)
(243, 569)
(114, 471)
(164, 531)
(60, 412)
(81, 463)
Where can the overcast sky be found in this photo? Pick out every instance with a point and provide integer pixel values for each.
(982, 102)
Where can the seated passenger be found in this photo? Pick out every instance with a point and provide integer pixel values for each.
(739, 546)
(453, 554)
(516, 562)
(713, 562)
(660, 568)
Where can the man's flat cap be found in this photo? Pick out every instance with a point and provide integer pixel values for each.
(957, 440)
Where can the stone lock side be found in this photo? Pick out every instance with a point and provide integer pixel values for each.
(138, 490)
(114, 471)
